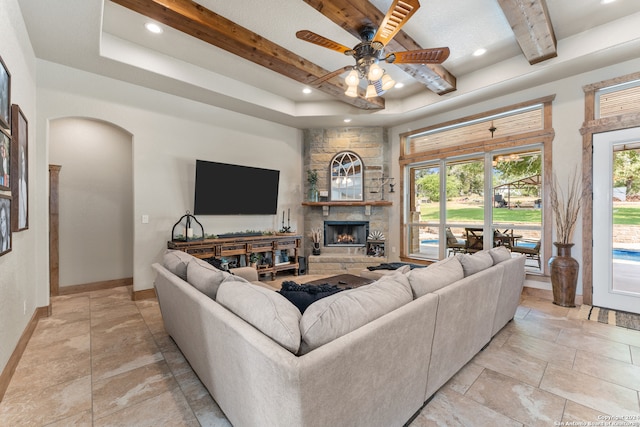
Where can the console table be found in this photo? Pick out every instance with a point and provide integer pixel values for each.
(271, 247)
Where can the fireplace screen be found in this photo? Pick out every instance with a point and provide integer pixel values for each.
(346, 233)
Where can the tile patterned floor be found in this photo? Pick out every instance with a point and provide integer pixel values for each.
(104, 360)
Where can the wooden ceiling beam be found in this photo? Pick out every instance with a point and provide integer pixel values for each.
(353, 15)
(531, 24)
(204, 24)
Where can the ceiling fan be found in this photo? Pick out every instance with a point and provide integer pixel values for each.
(370, 51)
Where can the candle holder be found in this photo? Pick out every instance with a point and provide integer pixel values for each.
(187, 229)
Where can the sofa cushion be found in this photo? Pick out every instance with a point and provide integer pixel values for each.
(499, 254)
(176, 262)
(341, 313)
(205, 277)
(472, 264)
(268, 311)
(435, 276)
(302, 296)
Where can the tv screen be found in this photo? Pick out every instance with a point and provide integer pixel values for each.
(224, 189)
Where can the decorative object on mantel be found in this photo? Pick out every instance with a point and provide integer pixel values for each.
(316, 235)
(184, 231)
(564, 269)
(312, 178)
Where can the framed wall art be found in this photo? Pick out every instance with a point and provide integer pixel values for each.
(5, 224)
(20, 170)
(5, 160)
(5, 96)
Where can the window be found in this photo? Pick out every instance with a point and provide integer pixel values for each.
(470, 196)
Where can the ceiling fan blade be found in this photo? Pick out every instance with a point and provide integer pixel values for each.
(398, 14)
(330, 75)
(314, 38)
(422, 56)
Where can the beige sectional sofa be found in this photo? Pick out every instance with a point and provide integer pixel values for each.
(370, 356)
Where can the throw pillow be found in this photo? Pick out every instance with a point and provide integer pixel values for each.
(205, 277)
(472, 264)
(435, 276)
(499, 254)
(266, 310)
(346, 311)
(302, 296)
(176, 262)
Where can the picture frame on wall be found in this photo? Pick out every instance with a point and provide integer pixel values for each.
(5, 96)
(5, 160)
(20, 169)
(5, 224)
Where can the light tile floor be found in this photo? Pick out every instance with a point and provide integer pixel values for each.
(104, 360)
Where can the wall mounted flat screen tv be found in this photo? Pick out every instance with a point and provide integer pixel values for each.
(225, 189)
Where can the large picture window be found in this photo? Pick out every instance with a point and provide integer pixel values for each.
(480, 195)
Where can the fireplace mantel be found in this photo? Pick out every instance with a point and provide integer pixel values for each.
(366, 203)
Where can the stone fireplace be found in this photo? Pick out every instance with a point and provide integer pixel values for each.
(344, 243)
(346, 233)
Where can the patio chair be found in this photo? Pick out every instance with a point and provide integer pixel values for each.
(456, 246)
(530, 252)
(475, 241)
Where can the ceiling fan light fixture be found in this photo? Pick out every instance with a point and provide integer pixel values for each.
(352, 91)
(375, 72)
(387, 82)
(352, 78)
(371, 91)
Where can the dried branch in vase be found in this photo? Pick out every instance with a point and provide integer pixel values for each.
(566, 207)
(316, 234)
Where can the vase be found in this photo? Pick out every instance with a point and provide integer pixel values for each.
(316, 248)
(313, 194)
(564, 275)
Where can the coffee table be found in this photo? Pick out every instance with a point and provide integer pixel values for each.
(342, 281)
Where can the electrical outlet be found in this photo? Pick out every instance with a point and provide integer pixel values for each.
(145, 219)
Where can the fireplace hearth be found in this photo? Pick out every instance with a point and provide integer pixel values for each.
(346, 233)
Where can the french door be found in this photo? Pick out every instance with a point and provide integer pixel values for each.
(616, 211)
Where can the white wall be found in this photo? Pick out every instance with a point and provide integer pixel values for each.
(169, 134)
(568, 117)
(95, 199)
(21, 278)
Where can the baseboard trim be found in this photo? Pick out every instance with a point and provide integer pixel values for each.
(12, 363)
(143, 294)
(95, 286)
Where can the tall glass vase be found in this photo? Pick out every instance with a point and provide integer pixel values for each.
(313, 194)
(564, 275)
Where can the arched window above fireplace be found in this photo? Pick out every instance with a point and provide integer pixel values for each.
(346, 172)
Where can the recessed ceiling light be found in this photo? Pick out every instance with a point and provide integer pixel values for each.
(606, 1)
(399, 85)
(480, 52)
(306, 90)
(153, 27)
(347, 120)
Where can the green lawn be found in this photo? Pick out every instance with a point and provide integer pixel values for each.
(621, 215)
(626, 216)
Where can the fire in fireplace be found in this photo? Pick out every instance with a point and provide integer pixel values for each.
(346, 233)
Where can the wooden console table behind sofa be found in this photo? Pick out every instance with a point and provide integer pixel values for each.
(244, 247)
